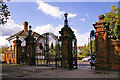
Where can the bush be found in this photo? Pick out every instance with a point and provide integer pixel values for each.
(79, 57)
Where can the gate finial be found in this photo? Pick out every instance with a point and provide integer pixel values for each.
(101, 17)
(66, 21)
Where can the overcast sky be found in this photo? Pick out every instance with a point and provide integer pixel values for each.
(49, 17)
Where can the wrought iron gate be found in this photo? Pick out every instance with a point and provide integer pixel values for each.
(48, 53)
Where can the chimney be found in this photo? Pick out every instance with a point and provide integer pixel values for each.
(25, 26)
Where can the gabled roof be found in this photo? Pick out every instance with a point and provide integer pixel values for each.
(23, 33)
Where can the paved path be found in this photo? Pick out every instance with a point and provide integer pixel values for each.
(83, 71)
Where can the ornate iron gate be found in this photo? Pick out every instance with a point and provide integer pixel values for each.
(48, 50)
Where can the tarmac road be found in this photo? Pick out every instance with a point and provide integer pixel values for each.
(83, 71)
(83, 64)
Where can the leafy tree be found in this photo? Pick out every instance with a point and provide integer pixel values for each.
(4, 13)
(2, 49)
(52, 53)
(111, 22)
(93, 47)
(86, 51)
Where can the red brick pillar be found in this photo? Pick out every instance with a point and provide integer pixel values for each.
(114, 54)
(30, 49)
(66, 40)
(101, 45)
(107, 50)
(17, 50)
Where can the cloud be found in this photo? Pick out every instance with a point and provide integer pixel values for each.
(3, 41)
(82, 19)
(82, 39)
(52, 10)
(71, 15)
(9, 28)
(48, 28)
(87, 15)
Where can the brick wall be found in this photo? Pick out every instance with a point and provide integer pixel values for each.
(107, 50)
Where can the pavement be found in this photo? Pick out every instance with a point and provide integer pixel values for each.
(83, 71)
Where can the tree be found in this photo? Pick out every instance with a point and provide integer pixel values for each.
(93, 47)
(111, 23)
(2, 49)
(86, 51)
(4, 13)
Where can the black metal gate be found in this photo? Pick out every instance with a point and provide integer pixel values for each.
(74, 51)
(48, 50)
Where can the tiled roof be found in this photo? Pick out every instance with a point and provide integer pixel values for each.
(23, 33)
(80, 47)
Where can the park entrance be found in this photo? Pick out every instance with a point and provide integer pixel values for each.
(52, 50)
(46, 49)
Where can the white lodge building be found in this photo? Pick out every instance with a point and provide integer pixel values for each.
(10, 56)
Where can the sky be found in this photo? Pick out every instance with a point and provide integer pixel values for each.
(49, 17)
